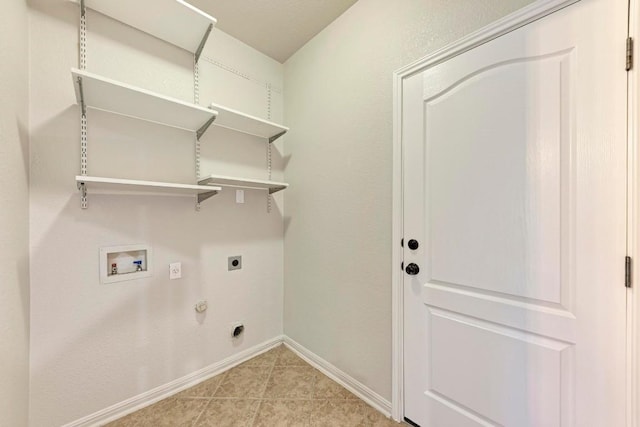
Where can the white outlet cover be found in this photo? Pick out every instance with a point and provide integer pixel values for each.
(239, 196)
(175, 270)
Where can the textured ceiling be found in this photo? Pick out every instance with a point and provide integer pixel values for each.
(277, 28)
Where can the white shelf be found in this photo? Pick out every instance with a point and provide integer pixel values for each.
(105, 94)
(232, 119)
(131, 186)
(227, 181)
(173, 21)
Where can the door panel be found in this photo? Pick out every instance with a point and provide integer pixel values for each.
(509, 365)
(504, 165)
(514, 180)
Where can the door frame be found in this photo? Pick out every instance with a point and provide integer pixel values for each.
(633, 223)
(534, 11)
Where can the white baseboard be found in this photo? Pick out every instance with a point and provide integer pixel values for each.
(162, 392)
(345, 380)
(152, 396)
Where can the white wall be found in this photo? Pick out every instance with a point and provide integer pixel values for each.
(95, 345)
(338, 103)
(14, 214)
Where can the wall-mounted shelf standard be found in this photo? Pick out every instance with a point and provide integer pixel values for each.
(173, 21)
(232, 119)
(227, 181)
(105, 94)
(131, 186)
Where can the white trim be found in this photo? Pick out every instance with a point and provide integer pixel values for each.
(354, 386)
(150, 397)
(397, 232)
(521, 17)
(517, 19)
(140, 401)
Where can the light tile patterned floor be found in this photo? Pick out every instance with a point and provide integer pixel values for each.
(274, 389)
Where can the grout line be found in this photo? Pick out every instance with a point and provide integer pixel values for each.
(223, 376)
(255, 414)
(313, 397)
(264, 390)
(204, 408)
(189, 398)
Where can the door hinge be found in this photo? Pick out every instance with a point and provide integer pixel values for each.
(629, 53)
(627, 271)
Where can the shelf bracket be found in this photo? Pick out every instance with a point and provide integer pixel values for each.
(203, 42)
(204, 196)
(83, 105)
(83, 8)
(204, 127)
(276, 189)
(274, 137)
(83, 195)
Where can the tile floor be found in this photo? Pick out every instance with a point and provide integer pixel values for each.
(274, 389)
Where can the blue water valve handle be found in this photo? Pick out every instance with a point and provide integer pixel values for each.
(138, 264)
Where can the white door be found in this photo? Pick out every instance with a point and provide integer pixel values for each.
(514, 188)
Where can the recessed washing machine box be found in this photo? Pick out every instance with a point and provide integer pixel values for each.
(120, 263)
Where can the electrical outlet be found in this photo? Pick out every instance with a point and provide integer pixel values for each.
(175, 270)
(234, 262)
(239, 196)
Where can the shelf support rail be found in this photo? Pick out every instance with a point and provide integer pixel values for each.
(83, 118)
(269, 198)
(269, 165)
(203, 42)
(83, 192)
(196, 100)
(83, 36)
